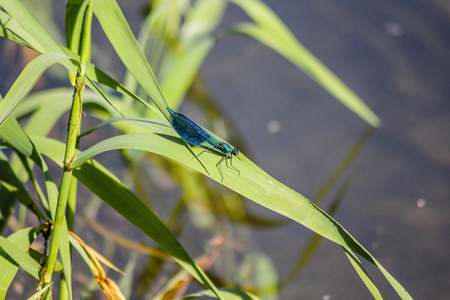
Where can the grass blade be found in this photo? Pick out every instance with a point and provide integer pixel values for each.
(253, 183)
(20, 257)
(270, 30)
(22, 240)
(26, 81)
(363, 274)
(181, 64)
(121, 37)
(108, 188)
(13, 134)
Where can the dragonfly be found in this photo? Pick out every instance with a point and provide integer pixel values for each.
(196, 135)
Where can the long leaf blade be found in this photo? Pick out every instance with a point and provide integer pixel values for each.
(26, 81)
(22, 240)
(121, 37)
(24, 260)
(107, 187)
(363, 274)
(270, 30)
(252, 183)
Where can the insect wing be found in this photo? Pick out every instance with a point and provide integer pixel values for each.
(190, 131)
(193, 133)
(216, 142)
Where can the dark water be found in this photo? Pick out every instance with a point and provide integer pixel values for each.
(395, 56)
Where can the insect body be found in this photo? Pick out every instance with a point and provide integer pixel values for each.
(196, 135)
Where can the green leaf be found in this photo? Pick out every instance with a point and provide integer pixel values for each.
(6, 205)
(32, 33)
(121, 37)
(41, 119)
(259, 272)
(229, 293)
(66, 257)
(108, 188)
(363, 274)
(270, 30)
(26, 81)
(13, 134)
(126, 282)
(22, 240)
(181, 64)
(74, 16)
(33, 28)
(74, 27)
(80, 250)
(13, 31)
(20, 257)
(252, 183)
(39, 293)
(14, 186)
(119, 34)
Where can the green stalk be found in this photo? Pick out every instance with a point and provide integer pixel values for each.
(64, 292)
(73, 129)
(69, 156)
(72, 202)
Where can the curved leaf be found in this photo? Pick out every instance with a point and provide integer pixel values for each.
(180, 66)
(19, 256)
(252, 183)
(22, 240)
(20, 36)
(12, 133)
(363, 274)
(31, 33)
(270, 30)
(108, 188)
(26, 81)
(121, 37)
(229, 293)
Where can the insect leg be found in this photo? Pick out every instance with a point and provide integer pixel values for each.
(205, 150)
(230, 157)
(219, 168)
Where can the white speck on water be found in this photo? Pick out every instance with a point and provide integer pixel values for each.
(395, 29)
(273, 126)
(421, 203)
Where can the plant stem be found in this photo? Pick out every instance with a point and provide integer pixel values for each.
(69, 156)
(73, 129)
